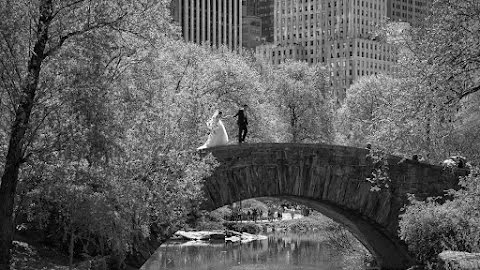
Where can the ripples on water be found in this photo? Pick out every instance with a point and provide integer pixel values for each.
(278, 252)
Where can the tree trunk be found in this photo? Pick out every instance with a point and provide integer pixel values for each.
(16, 144)
(70, 249)
(293, 124)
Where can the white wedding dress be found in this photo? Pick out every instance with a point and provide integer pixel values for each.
(218, 134)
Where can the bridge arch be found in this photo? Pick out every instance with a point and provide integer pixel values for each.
(331, 180)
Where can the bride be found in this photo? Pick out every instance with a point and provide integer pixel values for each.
(218, 134)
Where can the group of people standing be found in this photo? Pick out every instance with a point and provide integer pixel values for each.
(218, 134)
(249, 215)
(254, 215)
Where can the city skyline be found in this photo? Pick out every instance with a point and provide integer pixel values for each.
(339, 34)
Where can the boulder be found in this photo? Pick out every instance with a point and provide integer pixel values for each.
(457, 260)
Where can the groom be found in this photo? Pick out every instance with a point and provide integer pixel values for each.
(242, 123)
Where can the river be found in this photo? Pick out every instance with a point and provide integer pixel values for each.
(279, 251)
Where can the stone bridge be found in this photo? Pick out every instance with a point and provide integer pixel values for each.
(331, 180)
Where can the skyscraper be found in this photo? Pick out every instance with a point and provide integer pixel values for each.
(264, 9)
(251, 31)
(210, 21)
(337, 33)
(407, 10)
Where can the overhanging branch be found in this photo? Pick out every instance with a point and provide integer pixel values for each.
(87, 28)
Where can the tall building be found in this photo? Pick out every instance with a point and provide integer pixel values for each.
(215, 22)
(251, 32)
(407, 10)
(249, 7)
(264, 9)
(337, 33)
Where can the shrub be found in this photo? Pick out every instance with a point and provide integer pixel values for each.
(107, 211)
(243, 227)
(429, 227)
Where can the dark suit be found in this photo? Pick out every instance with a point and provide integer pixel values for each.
(242, 123)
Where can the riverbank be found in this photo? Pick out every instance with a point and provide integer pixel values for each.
(314, 222)
(298, 244)
(35, 256)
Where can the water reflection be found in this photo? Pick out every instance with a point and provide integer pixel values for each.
(279, 251)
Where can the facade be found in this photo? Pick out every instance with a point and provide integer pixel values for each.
(337, 34)
(278, 54)
(215, 22)
(249, 7)
(252, 31)
(407, 10)
(264, 9)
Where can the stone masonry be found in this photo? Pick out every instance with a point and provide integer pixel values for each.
(332, 180)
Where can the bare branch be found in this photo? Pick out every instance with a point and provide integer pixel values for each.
(87, 28)
(13, 85)
(470, 91)
(138, 35)
(66, 7)
(12, 53)
(35, 130)
(177, 88)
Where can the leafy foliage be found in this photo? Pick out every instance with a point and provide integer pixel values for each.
(446, 49)
(426, 108)
(395, 115)
(443, 56)
(430, 227)
(108, 155)
(101, 160)
(302, 97)
(111, 160)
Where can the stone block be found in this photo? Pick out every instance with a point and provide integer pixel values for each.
(456, 260)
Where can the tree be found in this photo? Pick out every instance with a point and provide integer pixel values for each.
(119, 145)
(302, 98)
(358, 118)
(430, 227)
(440, 54)
(446, 49)
(208, 79)
(444, 58)
(465, 138)
(32, 50)
(396, 115)
(114, 165)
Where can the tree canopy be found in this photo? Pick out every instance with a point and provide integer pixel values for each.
(102, 107)
(427, 107)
